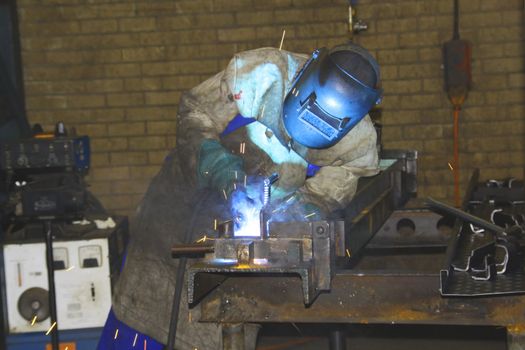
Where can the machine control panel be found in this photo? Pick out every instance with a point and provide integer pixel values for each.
(70, 153)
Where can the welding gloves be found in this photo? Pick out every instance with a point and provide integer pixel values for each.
(218, 168)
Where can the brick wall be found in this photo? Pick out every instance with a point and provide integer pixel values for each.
(406, 37)
(115, 70)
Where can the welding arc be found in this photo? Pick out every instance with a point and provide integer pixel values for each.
(179, 280)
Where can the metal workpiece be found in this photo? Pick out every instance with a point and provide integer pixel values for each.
(413, 227)
(308, 250)
(356, 298)
(303, 249)
(486, 256)
(375, 200)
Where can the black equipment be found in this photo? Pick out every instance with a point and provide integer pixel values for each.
(61, 153)
(44, 180)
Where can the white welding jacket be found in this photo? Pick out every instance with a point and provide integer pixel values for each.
(254, 85)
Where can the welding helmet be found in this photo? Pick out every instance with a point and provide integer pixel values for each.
(333, 91)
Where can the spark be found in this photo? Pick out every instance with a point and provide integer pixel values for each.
(234, 186)
(282, 40)
(224, 193)
(116, 334)
(348, 252)
(242, 147)
(67, 348)
(289, 199)
(215, 224)
(311, 214)
(51, 328)
(262, 111)
(204, 239)
(145, 344)
(245, 179)
(450, 166)
(33, 321)
(235, 174)
(135, 339)
(70, 268)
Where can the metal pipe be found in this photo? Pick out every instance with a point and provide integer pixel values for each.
(338, 339)
(191, 249)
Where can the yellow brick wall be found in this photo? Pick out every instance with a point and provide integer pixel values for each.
(115, 70)
(406, 37)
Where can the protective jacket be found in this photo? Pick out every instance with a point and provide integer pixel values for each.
(253, 85)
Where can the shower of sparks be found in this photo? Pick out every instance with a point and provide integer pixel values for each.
(282, 40)
(51, 328)
(116, 334)
(311, 214)
(348, 253)
(450, 166)
(33, 321)
(242, 147)
(135, 339)
(224, 193)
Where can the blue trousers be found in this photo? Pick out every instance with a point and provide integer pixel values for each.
(118, 336)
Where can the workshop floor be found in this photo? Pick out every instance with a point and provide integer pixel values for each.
(273, 337)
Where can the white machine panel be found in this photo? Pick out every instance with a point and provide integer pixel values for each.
(82, 283)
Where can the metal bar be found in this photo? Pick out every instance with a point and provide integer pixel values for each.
(364, 299)
(191, 249)
(434, 204)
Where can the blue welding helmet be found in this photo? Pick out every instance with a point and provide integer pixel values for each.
(333, 91)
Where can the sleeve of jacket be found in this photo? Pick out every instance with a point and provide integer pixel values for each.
(204, 112)
(334, 186)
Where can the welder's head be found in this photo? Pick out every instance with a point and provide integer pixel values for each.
(334, 90)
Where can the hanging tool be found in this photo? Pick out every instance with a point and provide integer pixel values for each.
(456, 60)
(355, 26)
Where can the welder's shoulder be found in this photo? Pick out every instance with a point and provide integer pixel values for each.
(246, 62)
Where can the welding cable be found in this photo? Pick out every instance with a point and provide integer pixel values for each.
(179, 280)
(457, 196)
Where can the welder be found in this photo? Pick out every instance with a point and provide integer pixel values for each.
(270, 111)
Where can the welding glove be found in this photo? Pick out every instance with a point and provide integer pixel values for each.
(296, 208)
(218, 168)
